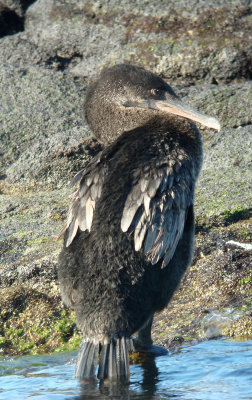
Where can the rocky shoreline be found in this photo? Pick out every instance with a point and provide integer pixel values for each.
(49, 51)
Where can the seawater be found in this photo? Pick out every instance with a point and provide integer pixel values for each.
(212, 370)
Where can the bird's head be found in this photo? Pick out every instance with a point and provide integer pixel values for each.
(125, 97)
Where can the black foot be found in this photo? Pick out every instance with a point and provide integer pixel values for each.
(150, 348)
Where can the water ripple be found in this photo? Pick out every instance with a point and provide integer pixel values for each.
(212, 370)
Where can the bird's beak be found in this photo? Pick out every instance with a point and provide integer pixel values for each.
(177, 107)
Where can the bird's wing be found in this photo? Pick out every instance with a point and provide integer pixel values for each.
(155, 209)
(84, 200)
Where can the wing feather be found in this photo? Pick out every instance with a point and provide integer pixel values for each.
(147, 200)
(140, 232)
(72, 230)
(130, 209)
(81, 211)
(156, 209)
(82, 218)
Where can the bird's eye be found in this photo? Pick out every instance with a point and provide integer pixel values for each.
(156, 92)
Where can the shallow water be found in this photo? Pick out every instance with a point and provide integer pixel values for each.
(212, 370)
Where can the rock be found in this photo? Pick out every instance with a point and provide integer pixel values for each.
(236, 245)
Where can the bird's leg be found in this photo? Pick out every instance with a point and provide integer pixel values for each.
(143, 341)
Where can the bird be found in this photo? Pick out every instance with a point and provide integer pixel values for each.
(129, 235)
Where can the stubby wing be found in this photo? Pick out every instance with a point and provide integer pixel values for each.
(84, 200)
(155, 210)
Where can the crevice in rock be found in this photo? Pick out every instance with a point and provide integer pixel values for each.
(243, 125)
(62, 63)
(12, 19)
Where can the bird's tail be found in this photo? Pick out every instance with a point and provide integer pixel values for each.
(113, 359)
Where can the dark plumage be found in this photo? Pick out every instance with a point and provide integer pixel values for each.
(130, 231)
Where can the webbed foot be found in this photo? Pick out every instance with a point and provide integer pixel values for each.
(148, 347)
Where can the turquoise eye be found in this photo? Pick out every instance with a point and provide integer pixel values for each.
(156, 92)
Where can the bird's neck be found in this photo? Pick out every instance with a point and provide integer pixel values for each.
(175, 134)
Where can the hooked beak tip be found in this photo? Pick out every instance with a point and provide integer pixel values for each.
(214, 124)
(183, 110)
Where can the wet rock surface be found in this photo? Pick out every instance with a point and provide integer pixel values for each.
(49, 51)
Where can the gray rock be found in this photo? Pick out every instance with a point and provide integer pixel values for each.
(225, 181)
(55, 160)
(37, 103)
